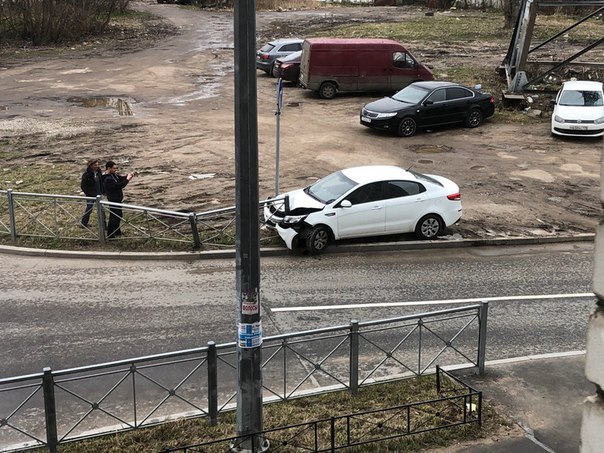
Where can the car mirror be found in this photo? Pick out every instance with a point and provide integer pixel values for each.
(345, 204)
(428, 102)
(552, 102)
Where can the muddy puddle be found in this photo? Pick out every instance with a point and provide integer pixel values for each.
(123, 106)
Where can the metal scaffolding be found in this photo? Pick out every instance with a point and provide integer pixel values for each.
(515, 61)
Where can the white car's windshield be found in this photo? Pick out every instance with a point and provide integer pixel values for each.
(411, 94)
(331, 187)
(577, 98)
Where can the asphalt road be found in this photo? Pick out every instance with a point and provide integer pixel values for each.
(71, 312)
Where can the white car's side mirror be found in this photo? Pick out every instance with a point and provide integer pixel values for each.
(345, 204)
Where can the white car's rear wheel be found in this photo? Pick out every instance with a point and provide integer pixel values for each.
(429, 227)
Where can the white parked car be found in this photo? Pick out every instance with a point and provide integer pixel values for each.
(364, 201)
(579, 109)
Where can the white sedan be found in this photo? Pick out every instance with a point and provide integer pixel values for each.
(579, 109)
(364, 201)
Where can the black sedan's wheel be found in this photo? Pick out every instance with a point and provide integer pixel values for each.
(474, 118)
(429, 227)
(407, 127)
(317, 240)
(328, 90)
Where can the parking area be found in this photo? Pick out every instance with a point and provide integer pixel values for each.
(177, 132)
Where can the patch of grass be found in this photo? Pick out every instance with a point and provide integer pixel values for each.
(187, 432)
(547, 26)
(41, 178)
(465, 27)
(452, 28)
(514, 116)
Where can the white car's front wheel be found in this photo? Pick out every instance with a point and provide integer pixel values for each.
(317, 240)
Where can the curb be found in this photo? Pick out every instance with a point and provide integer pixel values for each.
(282, 251)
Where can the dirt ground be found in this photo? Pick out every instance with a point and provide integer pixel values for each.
(166, 110)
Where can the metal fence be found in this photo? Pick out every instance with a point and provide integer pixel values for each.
(32, 215)
(455, 404)
(53, 407)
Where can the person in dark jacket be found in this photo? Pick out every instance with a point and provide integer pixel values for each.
(92, 186)
(114, 184)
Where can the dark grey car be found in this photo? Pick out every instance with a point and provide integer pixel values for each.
(266, 56)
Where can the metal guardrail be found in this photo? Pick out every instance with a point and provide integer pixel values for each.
(457, 404)
(53, 407)
(58, 217)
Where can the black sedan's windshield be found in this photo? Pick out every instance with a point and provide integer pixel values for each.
(411, 94)
(331, 187)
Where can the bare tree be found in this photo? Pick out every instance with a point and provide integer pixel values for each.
(54, 21)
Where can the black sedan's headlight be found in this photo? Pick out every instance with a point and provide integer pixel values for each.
(384, 116)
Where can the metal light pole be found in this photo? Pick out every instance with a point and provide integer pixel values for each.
(278, 115)
(249, 326)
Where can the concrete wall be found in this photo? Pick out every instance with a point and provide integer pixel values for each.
(592, 428)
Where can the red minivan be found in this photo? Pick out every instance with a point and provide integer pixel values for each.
(330, 65)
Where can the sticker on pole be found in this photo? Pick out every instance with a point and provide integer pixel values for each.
(250, 335)
(249, 304)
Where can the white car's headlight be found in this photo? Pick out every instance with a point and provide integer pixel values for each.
(385, 115)
(557, 119)
(599, 120)
(292, 219)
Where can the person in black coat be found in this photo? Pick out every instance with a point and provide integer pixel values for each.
(114, 184)
(92, 186)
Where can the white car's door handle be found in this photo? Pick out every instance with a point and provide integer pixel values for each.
(375, 208)
(330, 214)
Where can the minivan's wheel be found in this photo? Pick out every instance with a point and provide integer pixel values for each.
(474, 118)
(317, 240)
(407, 127)
(328, 90)
(429, 227)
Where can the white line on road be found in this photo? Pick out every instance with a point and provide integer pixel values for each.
(433, 302)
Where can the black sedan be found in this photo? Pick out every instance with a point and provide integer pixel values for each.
(426, 104)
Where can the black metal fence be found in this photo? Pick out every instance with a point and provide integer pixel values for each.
(456, 404)
(54, 407)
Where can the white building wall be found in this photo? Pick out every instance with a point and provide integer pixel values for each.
(592, 428)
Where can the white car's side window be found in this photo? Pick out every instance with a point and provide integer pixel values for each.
(367, 193)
